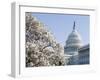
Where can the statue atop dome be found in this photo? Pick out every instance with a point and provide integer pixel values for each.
(74, 26)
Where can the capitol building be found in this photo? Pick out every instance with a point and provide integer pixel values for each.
(75, 52)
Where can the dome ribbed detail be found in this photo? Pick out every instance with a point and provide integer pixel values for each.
(74, 39)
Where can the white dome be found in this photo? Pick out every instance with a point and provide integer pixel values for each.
(74, 40)
(73, 43)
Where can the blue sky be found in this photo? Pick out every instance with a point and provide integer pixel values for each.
(61, 25)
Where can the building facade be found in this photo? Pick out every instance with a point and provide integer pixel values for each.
(84, 56)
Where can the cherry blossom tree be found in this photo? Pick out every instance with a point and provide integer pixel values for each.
(42, 48)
